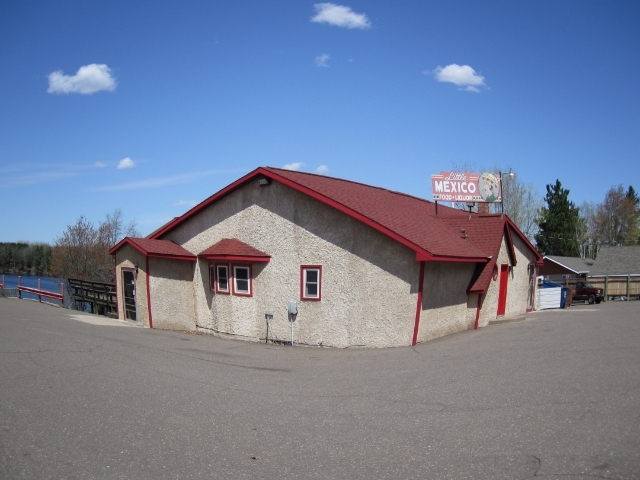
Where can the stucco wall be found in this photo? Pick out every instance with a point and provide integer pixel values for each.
(129, 257)
(519, 280)
(369, 282)
(172, 302)
(517, 287)
(445, 303)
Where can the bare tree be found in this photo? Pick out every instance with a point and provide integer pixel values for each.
(616, 219)
(82, 251)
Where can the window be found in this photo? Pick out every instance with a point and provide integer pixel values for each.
(219, 278)
(236, 280)
(311, 282)
(242, 280)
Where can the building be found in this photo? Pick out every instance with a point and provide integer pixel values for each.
(366, 266)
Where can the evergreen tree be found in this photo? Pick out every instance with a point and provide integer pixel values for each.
(559, 224)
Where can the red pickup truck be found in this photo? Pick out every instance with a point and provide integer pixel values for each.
(586, 291)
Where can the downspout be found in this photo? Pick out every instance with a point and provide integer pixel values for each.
(475, 327)
(149, 296)
(418, 305)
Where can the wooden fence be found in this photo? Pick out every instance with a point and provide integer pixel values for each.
(627, 286)
(100, 297)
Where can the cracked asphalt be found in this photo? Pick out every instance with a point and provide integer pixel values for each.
(554, 396)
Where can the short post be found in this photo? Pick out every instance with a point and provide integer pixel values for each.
(39, 296)
(62, 293)
(606, 287)
(628, 286)
(19, 292)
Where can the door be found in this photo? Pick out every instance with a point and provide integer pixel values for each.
(504, 280)
(129, 287)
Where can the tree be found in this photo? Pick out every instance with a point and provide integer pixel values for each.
(616, 219)
(82, 251)
(558, 223)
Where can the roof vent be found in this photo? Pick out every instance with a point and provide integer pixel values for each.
(464, 232)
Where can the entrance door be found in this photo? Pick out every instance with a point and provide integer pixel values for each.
(504, 280)
(129, 287)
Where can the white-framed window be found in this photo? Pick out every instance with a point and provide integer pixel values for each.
(242, 280)
(219, 278)
(311, 282)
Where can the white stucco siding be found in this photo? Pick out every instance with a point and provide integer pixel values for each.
(445, 303)
(129, 257)
(369, 281)
(172, 302)
(517, 288)
(519, 279)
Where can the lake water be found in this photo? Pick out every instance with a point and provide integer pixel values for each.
(49, 284)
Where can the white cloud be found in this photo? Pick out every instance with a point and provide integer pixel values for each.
(321, 60)
(322, 169)
(293, 166)
(100, 165)
(185, 203)
(340, 16)
(89, 79)
(461, 75)
(125, 163)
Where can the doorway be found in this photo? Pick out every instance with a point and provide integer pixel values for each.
(129, 287)
(504, 281)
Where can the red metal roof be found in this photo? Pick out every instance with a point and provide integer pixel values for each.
(156, 248)
(234, 249)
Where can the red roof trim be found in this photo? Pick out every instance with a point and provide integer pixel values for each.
(216, 196)
(358, 216)
(237, 258)
(442, 258)
(307, 191)
(128, 241)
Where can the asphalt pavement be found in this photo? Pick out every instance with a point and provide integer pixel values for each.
(555, 396)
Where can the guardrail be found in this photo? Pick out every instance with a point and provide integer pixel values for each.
(35, 291)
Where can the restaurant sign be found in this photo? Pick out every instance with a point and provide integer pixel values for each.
(466, 187)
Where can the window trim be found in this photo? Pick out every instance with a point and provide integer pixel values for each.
(250, 279)
(214, 278)
(303, 270)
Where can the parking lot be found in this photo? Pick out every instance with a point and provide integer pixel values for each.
(555, 395)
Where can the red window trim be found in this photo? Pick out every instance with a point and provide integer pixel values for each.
(214, 283)
(233, 280)
(311, 267)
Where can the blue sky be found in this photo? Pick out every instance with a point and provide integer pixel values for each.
(186, 97)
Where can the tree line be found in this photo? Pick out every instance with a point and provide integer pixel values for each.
(25, 258)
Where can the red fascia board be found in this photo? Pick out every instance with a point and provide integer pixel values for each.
(236, 258)
(442, 258)
(147, 254)
(510, 246)
(173, 257)
(216, 196)
(540, 260)
(424, 255)
(128, 242)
